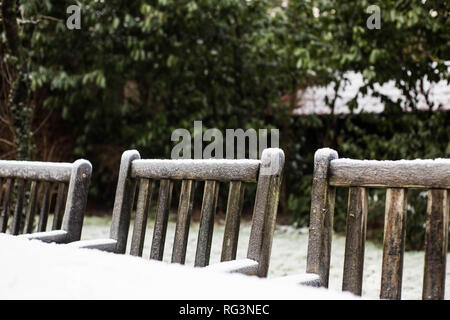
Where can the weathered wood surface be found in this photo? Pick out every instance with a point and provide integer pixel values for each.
(265, 209)
(2, 180)
(77, 193)
(394, 174)
(321, 216)
(183, 221)
(32, 207)
(123, 201)
(4, 214)
(59, 206)
(436, 244)
(207, 169)
(33, 170)
(266, 172)
(42, 175)
(140, 221)
(355, 240)
(205, 233)
(18, 212)
(394, 243)
(161, 219)
(45, 206)
(232, 220)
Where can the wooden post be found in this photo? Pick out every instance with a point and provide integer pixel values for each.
(80, 179)
(44, 207)
(436, 244)
(123, 201)
(265, 209)
(140, 221)
(18, 213)
(355, 240)
(32, 206)
(394, 243)
(183, 221)
(59, 207)
(162, 217)
(321, 217)
(4, 214)
(205, 232)
(232, 220)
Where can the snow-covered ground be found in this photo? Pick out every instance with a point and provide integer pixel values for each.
(35, 270)
(288, 255)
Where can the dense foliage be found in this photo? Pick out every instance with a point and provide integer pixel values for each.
(137, 70)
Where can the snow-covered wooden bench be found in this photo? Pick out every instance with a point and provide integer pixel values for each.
(397, 176)
(136, 172)
(71, 180)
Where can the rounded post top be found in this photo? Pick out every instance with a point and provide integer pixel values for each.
(322, 159)
(325, 154)
(83, 165)
(130, 155)
(272, 161)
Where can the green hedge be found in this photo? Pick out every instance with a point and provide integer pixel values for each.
(391, 135)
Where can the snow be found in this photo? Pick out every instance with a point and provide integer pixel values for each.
(49, 271)
(288, 255)
(37, 270)
(312, 99)
(355, 162)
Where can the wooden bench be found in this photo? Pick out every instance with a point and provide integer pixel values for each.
(397, 176)
(136, 172)
(71, 180)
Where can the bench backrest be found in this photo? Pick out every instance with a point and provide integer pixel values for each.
(32, 182)
(136, 172)
(397, 176)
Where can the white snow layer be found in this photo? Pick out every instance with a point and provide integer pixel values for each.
(36, 270)
(288, 256)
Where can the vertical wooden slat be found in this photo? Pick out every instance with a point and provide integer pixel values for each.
(1, 190)
(209, 205)
(59, 206)
(394, 243)
(123, 201)
(436, 244)
(18, 212)
(161, 219)
(232, 220)
(355, 240)
(77, 192)
(4, 214)
(140, 221)
(183, 221)
(44, 207)
(265, 209)
(321, 217)
(32, 206)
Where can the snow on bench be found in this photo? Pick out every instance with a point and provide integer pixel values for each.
(38, 270)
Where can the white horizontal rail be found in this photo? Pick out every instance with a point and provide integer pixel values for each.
(197, 169)
(396, 174)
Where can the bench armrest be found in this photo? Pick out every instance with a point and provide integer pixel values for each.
(244, 266)
(58, 236)
(108, 245)
(305, 279)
